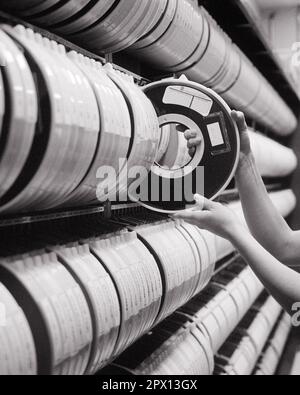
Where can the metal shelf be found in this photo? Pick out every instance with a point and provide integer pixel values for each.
(236, 21)
(106, 210)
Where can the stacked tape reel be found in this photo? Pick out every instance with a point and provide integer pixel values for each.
(138, 283)
(272, 353)
(107, 26)
(115, 132)
(145, 130)
(64, 146)
(272, 158)
(18, 355)
(215, 62)
(210, 170)
(102, 299)
(72, 137)
(56, 310)
(2, 98)
(240, 354)
(175, 347)
(19, 98)
(185, 343)
(185, 351)
(224, 303)
(184, 268)
(63, 160)
(175, 36)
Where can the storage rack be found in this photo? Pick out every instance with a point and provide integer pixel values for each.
(257, 50)
(235, 19)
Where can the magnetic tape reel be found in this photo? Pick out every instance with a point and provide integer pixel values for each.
(123, 25)
(159, 29)
(210, 170)
(21, 113)
(279, 338)
(115, 130)
(2, 98)
(137, 281)
(56, 310)
(175, 347)
(54, 15)
(145, 131)
(270, 362)
(86, 17)
(180, 267)
(266, 150)
(272, 353)
(190, 62)
(66, 146)
(18, 355)
(179, 41)
(102, 299)
(212, 52)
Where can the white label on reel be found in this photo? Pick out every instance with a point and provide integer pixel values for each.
(188, 97)
(215, 134)
(2, 315)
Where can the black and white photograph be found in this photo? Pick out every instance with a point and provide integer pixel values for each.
(149, 190)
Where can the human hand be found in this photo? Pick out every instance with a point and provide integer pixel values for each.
(214, 217)
(194, 139)
(239, 118)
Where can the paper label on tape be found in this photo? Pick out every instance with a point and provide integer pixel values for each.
(215, 134)
(188, 97)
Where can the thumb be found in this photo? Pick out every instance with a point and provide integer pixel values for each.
(240, 120)
(202, 203)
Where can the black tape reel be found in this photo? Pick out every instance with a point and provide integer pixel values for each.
(190, 106)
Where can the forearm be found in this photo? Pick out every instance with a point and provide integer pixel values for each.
(263, 219)
(282, 282)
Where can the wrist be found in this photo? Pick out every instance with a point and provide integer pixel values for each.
(246, 161)
(235, 233)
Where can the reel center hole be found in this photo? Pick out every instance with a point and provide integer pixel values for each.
(173, 152)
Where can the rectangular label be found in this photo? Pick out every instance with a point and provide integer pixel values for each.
(188, 97)
(215, 134)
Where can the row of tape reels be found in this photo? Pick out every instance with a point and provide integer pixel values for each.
(172, 244)
(241, 352)
(75, 131)
(267, 152)
(107, 26)
(269, 361)
(209, 318)
(83, 133)
(86, 303)
(18, 355)
(175, 36)
(213, 60)
(217, 63)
